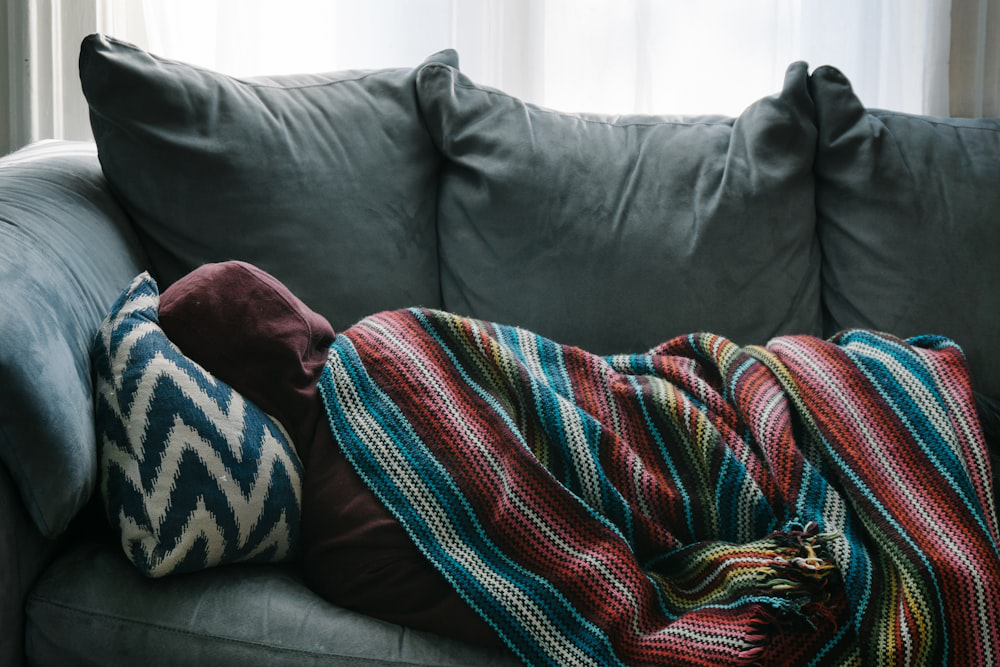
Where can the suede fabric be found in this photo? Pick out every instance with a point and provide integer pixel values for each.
(91, 608)
(335, 170)
(249, 330)
(615, 233)
(24, 555)
(907, 217)
(66, 252)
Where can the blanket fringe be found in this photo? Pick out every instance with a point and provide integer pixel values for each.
(805, 583)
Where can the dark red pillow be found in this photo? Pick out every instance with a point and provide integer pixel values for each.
(246, 328)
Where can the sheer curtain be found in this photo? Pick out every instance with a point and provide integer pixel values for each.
(939, 57)
(975, 58)
(618, 56)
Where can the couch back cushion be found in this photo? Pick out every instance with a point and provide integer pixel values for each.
(327, 181)
(615, 233)
(909, 221)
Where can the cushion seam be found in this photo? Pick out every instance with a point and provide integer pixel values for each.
(284, 299)
(883, 114)
(39, 599)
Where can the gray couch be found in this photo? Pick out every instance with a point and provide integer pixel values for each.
(363, 191)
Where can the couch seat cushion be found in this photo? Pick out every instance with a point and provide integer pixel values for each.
(93, 608)
(615, 233)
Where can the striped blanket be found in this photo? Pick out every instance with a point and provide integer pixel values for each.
(805, 503)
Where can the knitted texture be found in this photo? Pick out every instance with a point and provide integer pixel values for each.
(807, 502)
(192, 474)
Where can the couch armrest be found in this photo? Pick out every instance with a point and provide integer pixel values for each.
(67, 250)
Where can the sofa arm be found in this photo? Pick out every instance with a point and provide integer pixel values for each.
(66, 251)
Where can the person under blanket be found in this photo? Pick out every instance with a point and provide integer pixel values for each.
(249, 330)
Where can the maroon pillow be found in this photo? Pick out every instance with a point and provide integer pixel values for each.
(246, 328)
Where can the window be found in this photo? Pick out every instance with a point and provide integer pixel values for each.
(936, 57)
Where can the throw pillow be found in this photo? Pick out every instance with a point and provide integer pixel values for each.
(615, 233)
(192, 474)
(326, 181)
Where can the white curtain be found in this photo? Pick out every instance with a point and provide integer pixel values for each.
(618, 56)
(936, 57)
(975, 58)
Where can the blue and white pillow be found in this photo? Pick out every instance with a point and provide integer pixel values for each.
(192, 474)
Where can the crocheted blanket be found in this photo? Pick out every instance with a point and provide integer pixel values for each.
(805, 503)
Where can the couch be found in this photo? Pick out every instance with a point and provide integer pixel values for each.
(363, 191)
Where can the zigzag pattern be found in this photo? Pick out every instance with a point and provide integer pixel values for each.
(193, 475)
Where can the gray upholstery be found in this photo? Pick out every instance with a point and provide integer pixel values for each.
(235, 615)
(909, 221)
(617, 233)
(335, 169)
(66, 251)
(24, 554)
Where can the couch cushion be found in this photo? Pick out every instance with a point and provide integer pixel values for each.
(92, 608)
(616, 233)
(65, 251)
(909, 222)
(327, 181)
(192, 474)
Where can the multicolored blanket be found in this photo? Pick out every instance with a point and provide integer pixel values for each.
(805, 503)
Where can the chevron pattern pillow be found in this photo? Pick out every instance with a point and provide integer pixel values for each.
(192, 474)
